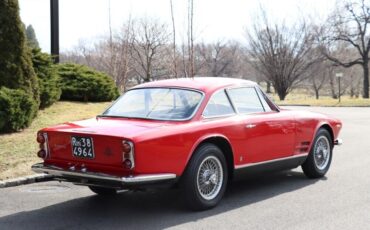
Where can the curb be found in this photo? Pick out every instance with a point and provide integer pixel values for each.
(25, 180)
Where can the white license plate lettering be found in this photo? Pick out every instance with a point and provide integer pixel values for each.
(82, 147)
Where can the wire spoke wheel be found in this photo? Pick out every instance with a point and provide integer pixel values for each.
(319, 159)
(205, 179)
(322, 152)
(210, 177)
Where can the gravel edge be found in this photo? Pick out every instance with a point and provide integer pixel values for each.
(25, 180)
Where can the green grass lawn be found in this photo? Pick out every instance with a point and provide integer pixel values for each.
(304, 99)
(18, 150)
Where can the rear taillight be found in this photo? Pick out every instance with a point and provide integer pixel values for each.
(128, 155)
(126, 147)
(41, 153)
(42, 138)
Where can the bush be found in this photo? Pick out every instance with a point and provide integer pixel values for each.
(47, 76)
(81, 83)
(19, 90)
(16, 71)
(17, 109)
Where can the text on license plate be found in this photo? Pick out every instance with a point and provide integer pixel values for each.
(82, 147)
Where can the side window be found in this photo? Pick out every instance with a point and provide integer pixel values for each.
(264, 100)
(218, 105)
(246, 100)
(270, 106)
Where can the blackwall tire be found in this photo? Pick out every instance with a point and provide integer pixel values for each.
(205, 179)
(319, 159)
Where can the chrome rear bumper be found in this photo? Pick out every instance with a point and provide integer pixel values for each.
(97, 178)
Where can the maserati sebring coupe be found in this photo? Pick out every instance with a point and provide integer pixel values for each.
(195, 134)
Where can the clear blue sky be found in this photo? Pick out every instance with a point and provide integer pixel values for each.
(87, 20)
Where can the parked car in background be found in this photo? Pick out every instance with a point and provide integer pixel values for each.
(195, 133)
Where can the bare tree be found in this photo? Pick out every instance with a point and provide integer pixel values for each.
(110, 55)
(348, 26)
(124, 61)
(282, 54)
(184, 60)
(150, 39)
(174, 51)
(318, 78)
(218, 59)
(332, 82)
(355, 79)
(191, 71)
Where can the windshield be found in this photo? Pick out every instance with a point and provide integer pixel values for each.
(156, 103)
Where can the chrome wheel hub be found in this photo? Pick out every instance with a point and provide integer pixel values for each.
(210, 177)
(322, 151)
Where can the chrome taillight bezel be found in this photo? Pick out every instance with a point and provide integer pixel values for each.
(44, 145)
(128, 155)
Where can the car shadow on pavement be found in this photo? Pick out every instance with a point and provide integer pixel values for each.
(151, 209)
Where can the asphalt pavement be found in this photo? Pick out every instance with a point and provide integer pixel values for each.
(284, 200)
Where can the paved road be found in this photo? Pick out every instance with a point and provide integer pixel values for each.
(284, 200)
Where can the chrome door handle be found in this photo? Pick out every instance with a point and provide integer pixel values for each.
(250, 126)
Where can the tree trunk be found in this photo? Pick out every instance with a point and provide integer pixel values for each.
(366, 80)
(332, 88)
(317, 94)
(352, 89)
(282, 94)
(268, 89)
(147, 78)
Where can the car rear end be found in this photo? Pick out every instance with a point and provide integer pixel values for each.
(91, 159)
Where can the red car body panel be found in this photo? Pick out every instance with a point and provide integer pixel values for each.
(167, 146)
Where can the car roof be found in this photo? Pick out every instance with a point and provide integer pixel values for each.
(205, 84)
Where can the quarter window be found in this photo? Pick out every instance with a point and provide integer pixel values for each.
(218, 105)
(246, 100)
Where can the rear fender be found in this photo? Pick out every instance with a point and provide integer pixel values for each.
(203, 138)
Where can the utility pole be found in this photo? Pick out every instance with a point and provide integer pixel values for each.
(339, 76)
(54, 29)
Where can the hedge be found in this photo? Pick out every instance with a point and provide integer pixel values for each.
(82, 83)
(48, 78)
(17, 109)
(16, 71)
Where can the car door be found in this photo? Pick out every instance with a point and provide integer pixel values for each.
(267, 134)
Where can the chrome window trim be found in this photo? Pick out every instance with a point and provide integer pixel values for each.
(263, 94)
(261, 98)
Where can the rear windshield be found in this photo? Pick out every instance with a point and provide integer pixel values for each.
(156, 103)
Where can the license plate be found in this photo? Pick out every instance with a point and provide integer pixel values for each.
(82, 147)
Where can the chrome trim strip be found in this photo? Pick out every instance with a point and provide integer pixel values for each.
(59, 172)
(338, 141)
(270, 161)
(46, 145)
(131, 153)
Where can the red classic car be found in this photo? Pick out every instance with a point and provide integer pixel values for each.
(196, 133)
